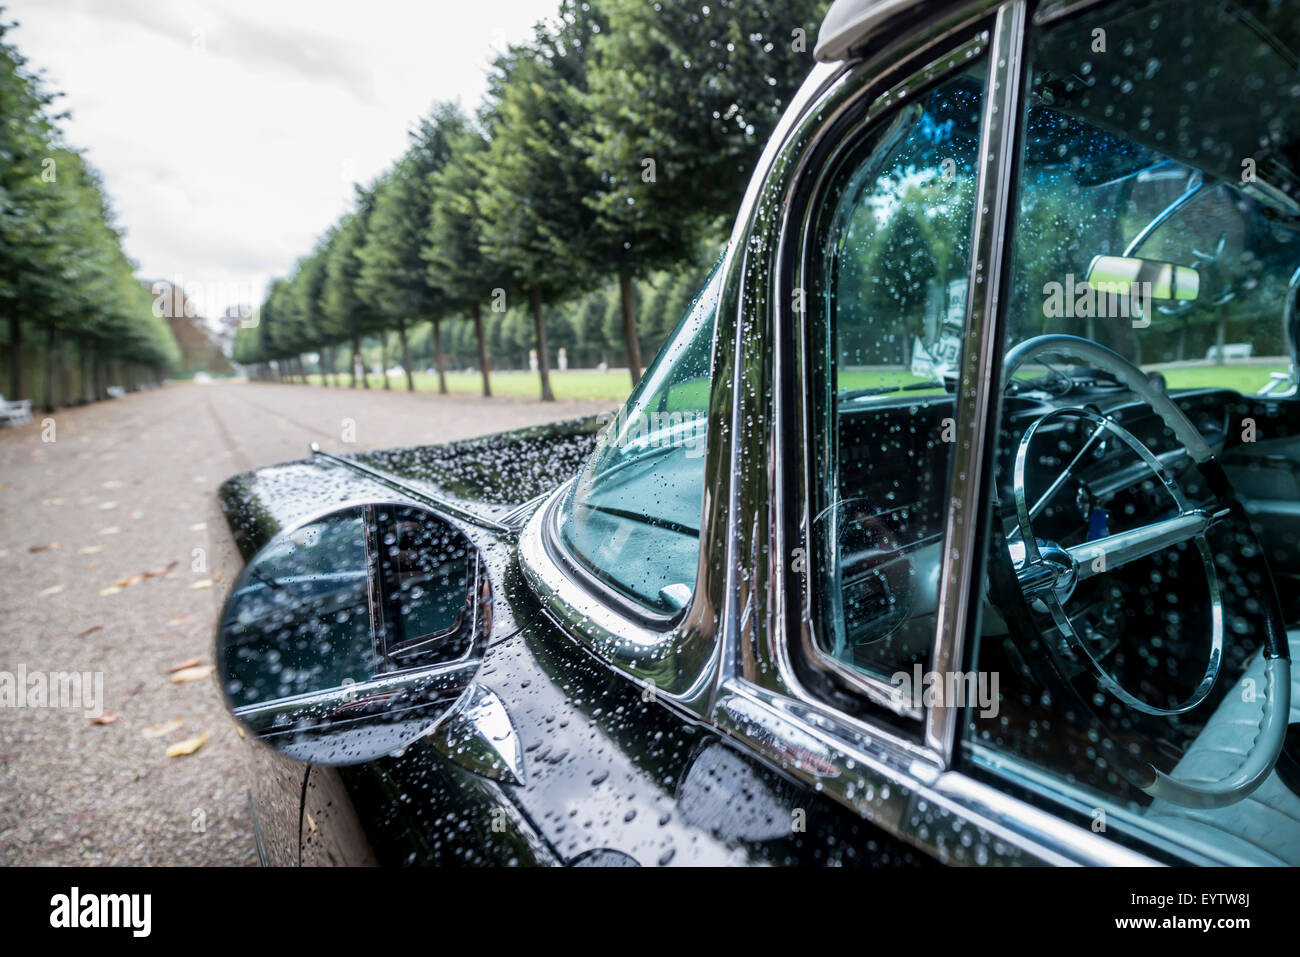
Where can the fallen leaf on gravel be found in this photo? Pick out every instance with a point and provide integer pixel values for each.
(206, 583)
(129, 581)
(110, 590)
(216, 576)
(41, 548)
(160, 570)
(111, 530)
(107, 505)
(239, 731)
(180, 619)
(191, 674)
(89, 631)
(91, 566)
(107, 717)
(51, 501)
(188, 746)
(187, 663)
(199, 527)
(53, 590)
(164, 729)
(112, 484)
(91, 549)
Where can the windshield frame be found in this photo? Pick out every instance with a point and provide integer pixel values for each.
(603, 462)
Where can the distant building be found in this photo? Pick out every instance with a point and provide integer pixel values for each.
(201, 348)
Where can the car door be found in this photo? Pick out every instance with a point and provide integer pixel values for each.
(911, 645)
(870, 286)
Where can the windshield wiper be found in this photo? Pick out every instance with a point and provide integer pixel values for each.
(641, 519)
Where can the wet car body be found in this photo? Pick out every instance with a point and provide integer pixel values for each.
(721, 731)
(611, 777)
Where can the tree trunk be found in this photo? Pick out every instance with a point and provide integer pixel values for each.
(16, 385)
(86, 388)
(482, 348)
(49, 368)
(539, 331)
(406, 353)
(355, 358)
(439, 359)
(630, 342)
(1220, 341)
(65, 373)
(383, 358)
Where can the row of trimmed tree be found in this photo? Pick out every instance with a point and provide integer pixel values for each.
(73, 317)
(610, 152)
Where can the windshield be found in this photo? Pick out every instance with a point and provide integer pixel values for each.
(632, 518)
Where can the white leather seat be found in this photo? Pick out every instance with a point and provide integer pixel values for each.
(1263, 828)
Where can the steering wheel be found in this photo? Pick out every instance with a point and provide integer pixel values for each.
(1047, 573)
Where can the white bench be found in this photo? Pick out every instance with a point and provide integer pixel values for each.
(15, 413)
(1231, 350)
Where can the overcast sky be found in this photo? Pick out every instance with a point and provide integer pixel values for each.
(229, 132)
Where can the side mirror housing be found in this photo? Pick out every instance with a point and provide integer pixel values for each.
(349, 635)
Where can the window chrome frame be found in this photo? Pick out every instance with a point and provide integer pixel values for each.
(964, 54)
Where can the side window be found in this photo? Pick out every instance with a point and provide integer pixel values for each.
(632, 520)
(1144, 507)
(889, 311)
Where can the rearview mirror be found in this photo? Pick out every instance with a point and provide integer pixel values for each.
(1145, 278)
(348, 636)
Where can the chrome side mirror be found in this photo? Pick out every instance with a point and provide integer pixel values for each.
(350, 635)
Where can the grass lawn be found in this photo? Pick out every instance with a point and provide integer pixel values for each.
(1246, 379)
(613, 386)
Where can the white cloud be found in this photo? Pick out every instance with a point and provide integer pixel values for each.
(229, 131)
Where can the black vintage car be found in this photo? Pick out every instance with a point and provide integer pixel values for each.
(958, 521)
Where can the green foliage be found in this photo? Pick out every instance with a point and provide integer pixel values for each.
(697, 86)
(549, 189)
(63, 273)
(393, 277)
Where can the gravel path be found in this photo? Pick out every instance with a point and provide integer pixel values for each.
(104, 535)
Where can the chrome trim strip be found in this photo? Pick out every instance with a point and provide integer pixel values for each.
(455, 676)
(975, 401)
(946, 813)
(424, 498)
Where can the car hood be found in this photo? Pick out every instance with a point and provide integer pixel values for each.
(489, 477)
